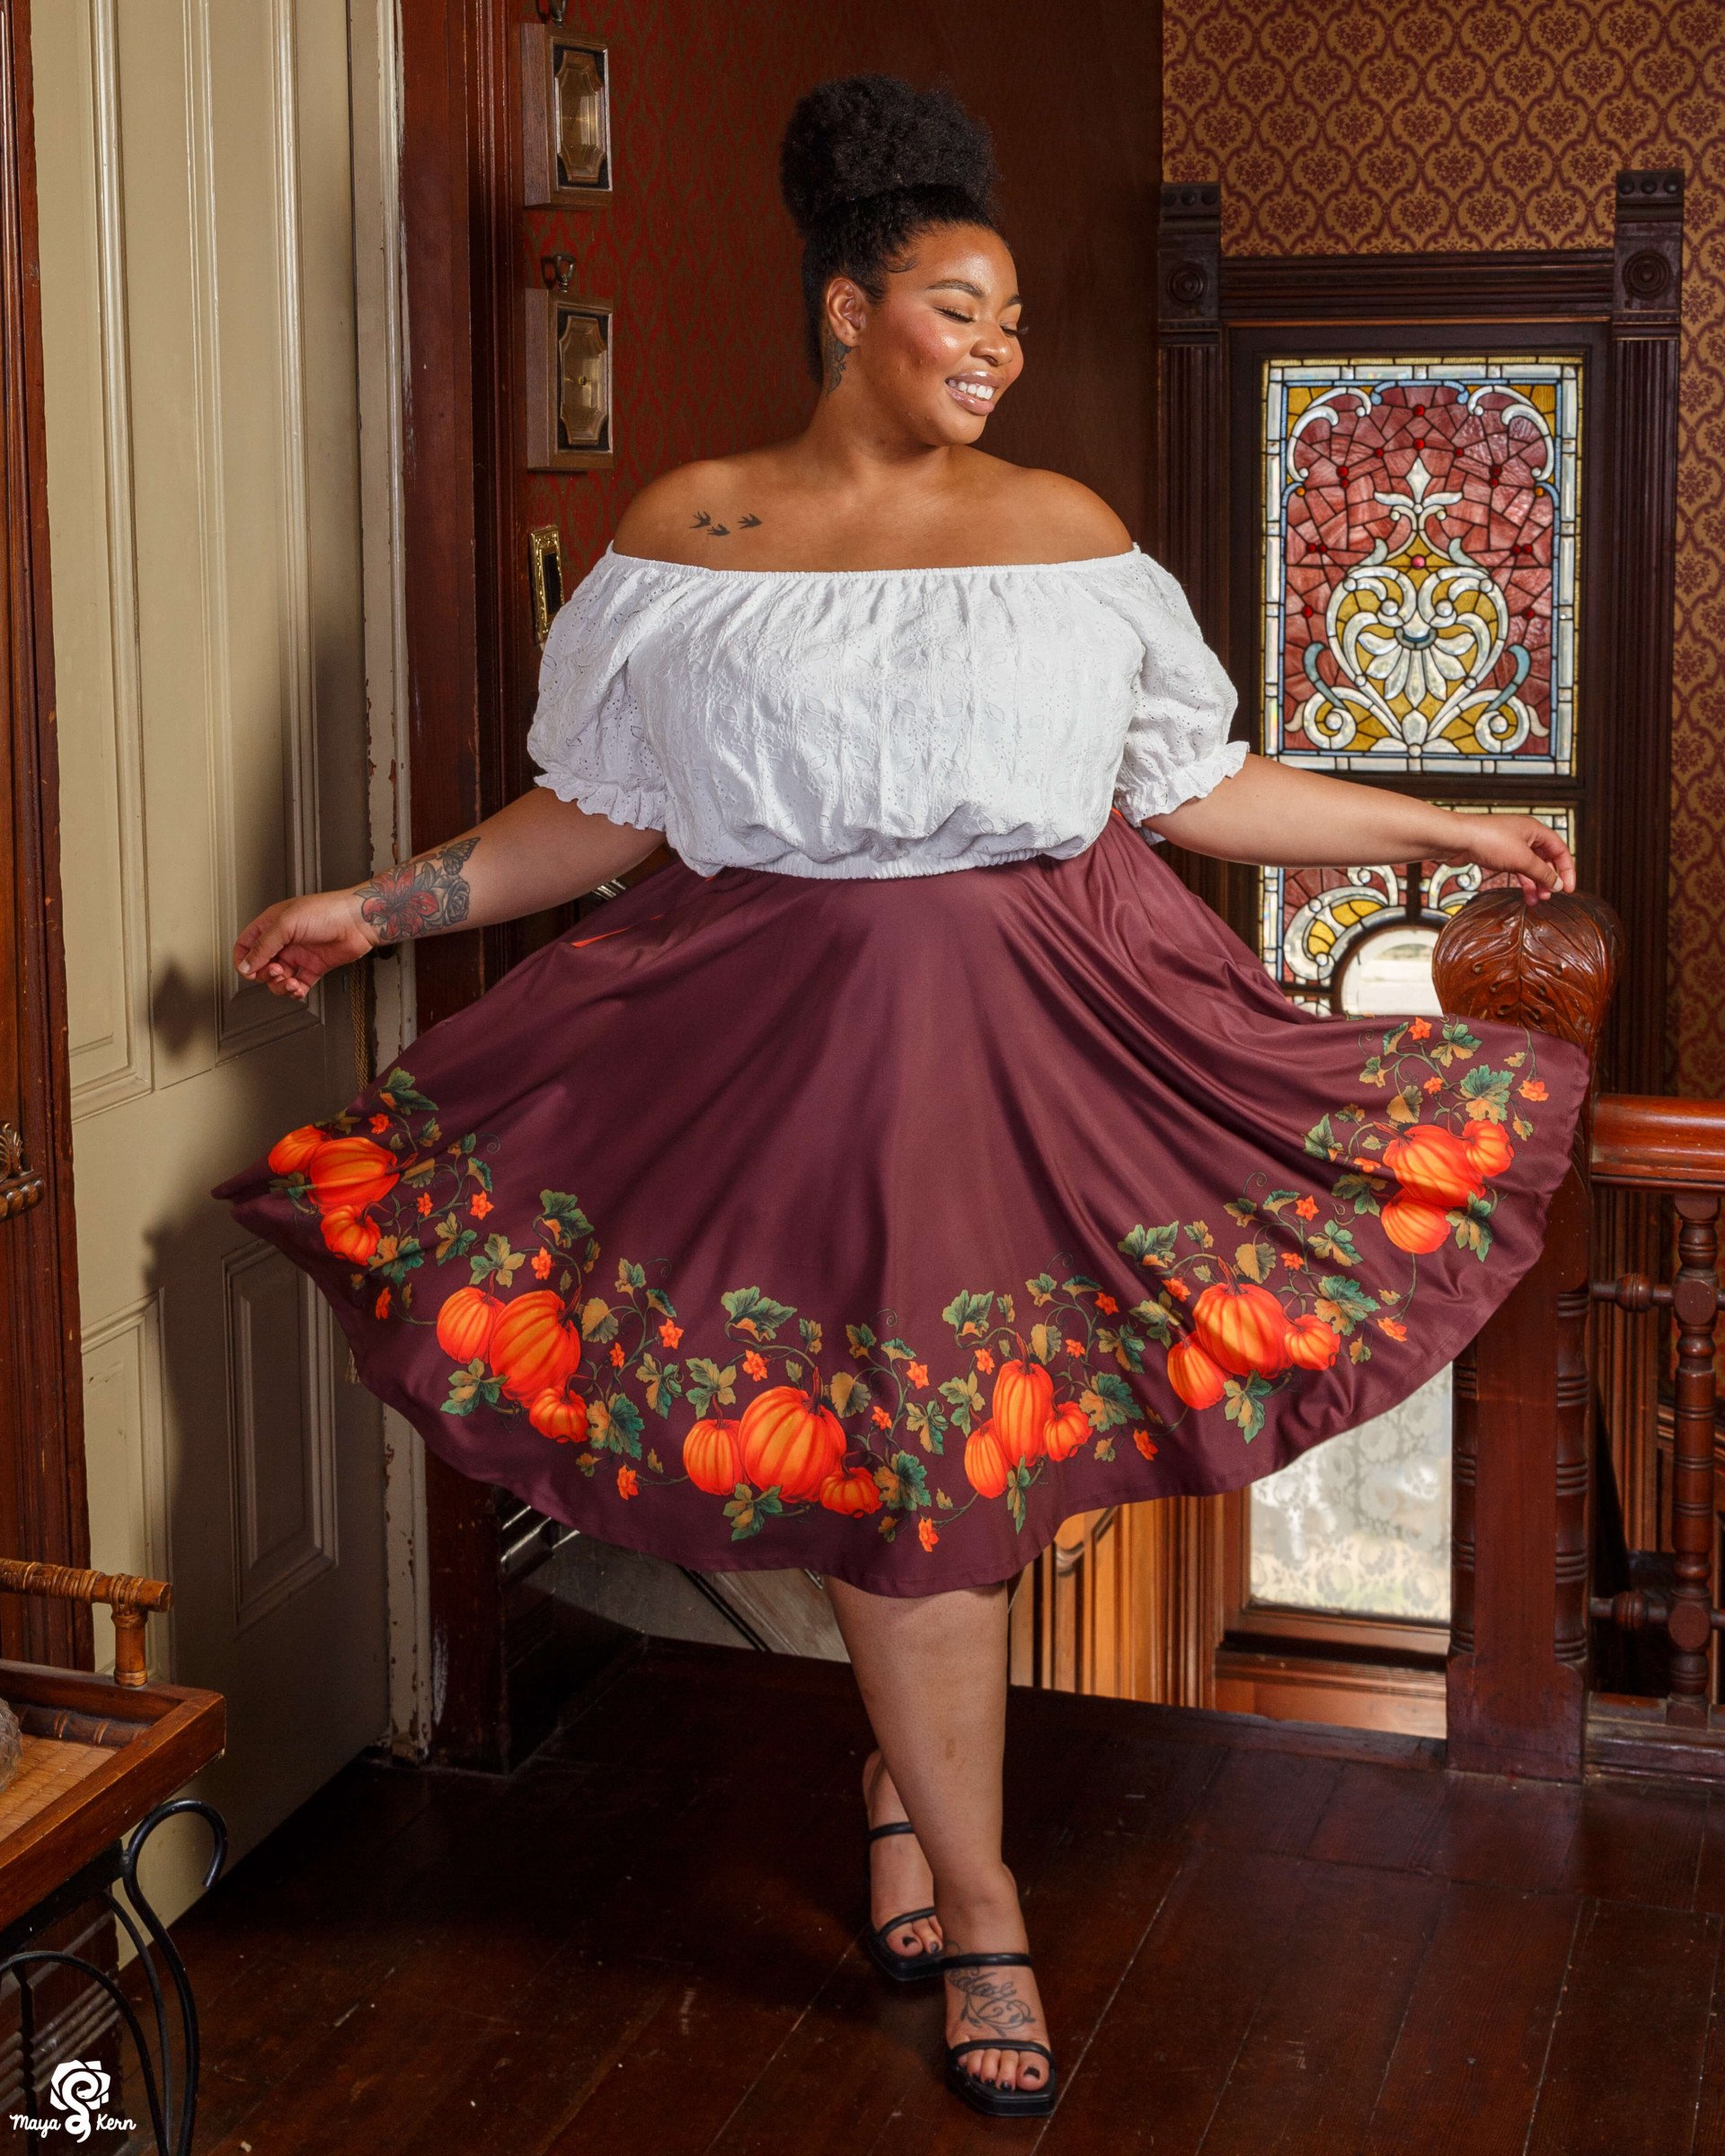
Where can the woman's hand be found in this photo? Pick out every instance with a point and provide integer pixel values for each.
(298, 940)
(1530, 851)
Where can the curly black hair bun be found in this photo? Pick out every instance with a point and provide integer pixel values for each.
(866, 135)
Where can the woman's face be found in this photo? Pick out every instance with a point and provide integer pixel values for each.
(939, 350)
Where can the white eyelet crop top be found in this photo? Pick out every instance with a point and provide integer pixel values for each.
(880, 722)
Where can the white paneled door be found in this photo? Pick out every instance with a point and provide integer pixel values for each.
(197, 230)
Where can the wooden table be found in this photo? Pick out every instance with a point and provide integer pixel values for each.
(100, 1759)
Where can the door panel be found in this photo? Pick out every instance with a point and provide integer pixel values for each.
(204, 506)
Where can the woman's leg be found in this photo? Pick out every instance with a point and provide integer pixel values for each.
(899, 1875)
(932, 1669)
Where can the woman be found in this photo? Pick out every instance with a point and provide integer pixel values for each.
(913, 1161)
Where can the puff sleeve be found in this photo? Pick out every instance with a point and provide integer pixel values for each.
(587, 735)
(1177, 746)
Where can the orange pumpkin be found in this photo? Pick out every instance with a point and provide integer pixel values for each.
(560, 1413)
(1022, 1403)
(851, 1489)
(712, 1457)
(354, 1236)
(986, 1463)
(1412, 1225)
(351, 1172)
(790, 1442)
(1432, 1163)
(1488, 1147)
(465, 1322)
(1242, 1328)
(290, 1154)
(1069, 1428)
(1193, 1375)
(534, 1344)
(1312, 1344)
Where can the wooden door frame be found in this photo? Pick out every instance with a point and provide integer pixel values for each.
(43, 1508)
(1624, 301)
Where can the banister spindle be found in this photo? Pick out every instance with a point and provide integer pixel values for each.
(1694, 1304)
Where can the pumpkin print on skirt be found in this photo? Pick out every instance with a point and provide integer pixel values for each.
(876, 1226)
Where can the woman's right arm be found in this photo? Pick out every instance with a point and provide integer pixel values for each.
(537, 852)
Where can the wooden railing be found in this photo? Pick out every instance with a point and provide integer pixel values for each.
(1526, 1446)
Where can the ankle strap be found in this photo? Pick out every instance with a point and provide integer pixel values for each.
(982, 1961)
(893, 1826)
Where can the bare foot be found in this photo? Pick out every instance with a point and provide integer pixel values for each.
(898, 1874)
(993, 2000)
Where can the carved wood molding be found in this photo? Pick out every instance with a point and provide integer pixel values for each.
(20, 1185)
(1553, 965)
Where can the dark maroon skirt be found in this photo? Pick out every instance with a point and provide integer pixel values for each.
(877, 1225)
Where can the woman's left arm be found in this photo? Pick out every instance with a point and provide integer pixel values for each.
(1277, 815)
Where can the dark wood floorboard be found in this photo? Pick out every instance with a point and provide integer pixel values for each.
(1251, 1938)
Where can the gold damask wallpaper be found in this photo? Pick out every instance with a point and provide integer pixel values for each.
(1344, 126)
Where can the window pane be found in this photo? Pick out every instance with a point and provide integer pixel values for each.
(1317, 927)
(1361, 1522)
(1420, 560)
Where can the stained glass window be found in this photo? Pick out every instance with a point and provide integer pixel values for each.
(1317, 927)
(1421, 560)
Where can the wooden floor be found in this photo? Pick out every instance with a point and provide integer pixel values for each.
(646, 1940)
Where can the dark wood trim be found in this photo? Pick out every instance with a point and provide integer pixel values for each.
(1570, 284)
(448, 678)
(1641, 573)
(43, 1508)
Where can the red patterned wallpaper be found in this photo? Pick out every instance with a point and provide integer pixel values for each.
(1353, 126)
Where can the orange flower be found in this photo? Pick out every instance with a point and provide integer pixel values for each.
(1419, 1029)
(1396, 1329)
(754, 1364)
(927, 1534)
(1180, 1288)
(380, 1123)
(1532, 1089)
(481, 1206)
(1294, 1261)
(882, 1420)
(670, 1332)
(616, 1355)
(628, 1485)
(918, 1374)
(425, 1201)
(1307, 1208)
(1072, 1346)
(1146, 1443)
(1106, 1305)
(1434, 1085)
(380, 1308)
(541, 1265)
(984, 1361)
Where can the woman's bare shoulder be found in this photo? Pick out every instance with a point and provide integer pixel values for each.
(676, 516)
(1062, 519)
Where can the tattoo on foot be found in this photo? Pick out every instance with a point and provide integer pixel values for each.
(703, 522)
(420, 896)
(991, 2004)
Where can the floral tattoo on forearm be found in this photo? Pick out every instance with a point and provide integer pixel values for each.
(419, 897)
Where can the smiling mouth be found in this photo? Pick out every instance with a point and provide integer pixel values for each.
(972, 392)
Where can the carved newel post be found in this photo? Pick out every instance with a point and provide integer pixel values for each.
(1522, 1458)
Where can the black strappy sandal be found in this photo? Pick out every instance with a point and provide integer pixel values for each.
(997, 2103)
(903, 1968)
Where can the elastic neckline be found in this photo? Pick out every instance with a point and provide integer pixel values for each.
(957, 568)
